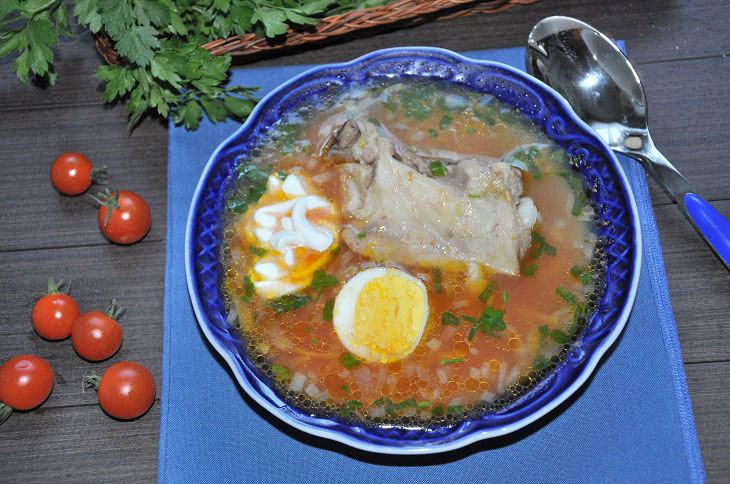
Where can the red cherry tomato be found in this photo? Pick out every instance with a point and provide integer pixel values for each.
(72, 173)
(54, 314)
(97, 336)
(129, 220)
(25, 382)
(126, 390)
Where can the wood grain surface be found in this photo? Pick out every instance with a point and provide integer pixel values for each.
(681, 49)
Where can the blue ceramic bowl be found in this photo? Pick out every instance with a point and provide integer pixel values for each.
(615, 207)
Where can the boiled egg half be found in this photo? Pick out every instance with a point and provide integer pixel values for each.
(380, 314)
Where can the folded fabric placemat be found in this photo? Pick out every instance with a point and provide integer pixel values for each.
(632, 421)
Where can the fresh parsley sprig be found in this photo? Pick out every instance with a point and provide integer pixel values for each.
(162, 67)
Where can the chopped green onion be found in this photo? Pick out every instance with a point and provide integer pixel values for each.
(349, 361)
(423, 404)
(474, 195)
(451, 361)
(454, 409)
(449, 319)
(504, 297)
(350, 407)
(541, 245)
(433, 133)
(437, 168)
(529, 269)
(346, 388)
(315, 341)
(248, 289)
(328, 310)
(437, 280)
(445, 121)
(487, 292)
(361, 235)
(437, 411)
(258, 251)
(281, 371)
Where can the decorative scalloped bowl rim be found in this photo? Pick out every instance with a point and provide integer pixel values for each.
(458, 435)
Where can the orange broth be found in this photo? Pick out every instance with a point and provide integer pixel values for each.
(447, 374)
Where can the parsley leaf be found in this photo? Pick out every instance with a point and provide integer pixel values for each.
(559, 336)
(489, 322)
(249, 187)
(565, 295)
(321, 280)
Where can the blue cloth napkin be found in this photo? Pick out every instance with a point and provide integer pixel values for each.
(632, 421)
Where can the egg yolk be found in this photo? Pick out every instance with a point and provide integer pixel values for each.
(389, 316)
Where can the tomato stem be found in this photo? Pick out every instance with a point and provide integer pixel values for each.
(109, 200)
(114, 311)
(5, 412)
(55, 287)
(92, 380)
(99, 175)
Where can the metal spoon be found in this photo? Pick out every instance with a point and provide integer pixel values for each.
(601, 85)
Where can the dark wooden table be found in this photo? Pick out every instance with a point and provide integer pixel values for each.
(680, 49)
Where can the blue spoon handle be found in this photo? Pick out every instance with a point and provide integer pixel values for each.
(712, 226)
(710, 223)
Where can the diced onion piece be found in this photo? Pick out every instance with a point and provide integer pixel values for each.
(311, 389)
(443, 379)
(267, 270)
(297, 382)
(433, 344)
(487, 396)
(461, 303)
(377, 412)
(364, 379)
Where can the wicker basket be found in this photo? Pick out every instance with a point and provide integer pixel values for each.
(398, 14)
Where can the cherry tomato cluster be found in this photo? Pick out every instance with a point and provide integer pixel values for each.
(125, 391)
(123, 216)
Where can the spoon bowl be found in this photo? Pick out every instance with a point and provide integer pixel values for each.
(604, 90)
